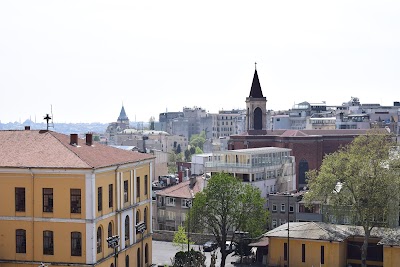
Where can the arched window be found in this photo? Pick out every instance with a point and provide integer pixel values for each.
(145, 217)
(76, 244)
(138, 257)
(127, 261)
(258, 117)
(303, 168)
(110, 229)
(137, 217)
(48, 243)
(126, 228)
(20, 238)
(99, 240)
(146, 254)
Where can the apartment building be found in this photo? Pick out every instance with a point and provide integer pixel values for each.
(271, 169)
(62, 197)
(173, 203)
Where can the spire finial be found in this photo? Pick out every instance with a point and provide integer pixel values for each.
(255, 65)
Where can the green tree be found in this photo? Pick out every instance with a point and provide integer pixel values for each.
(187, 155)
(227, 205)
(178, 149)
(361, 178)
(198, 140)
(198, 150)
(180, 238)
(192, 150)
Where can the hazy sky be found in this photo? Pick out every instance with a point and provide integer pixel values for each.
(87, 57)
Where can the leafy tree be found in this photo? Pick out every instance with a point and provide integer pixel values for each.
(187, 155)
(363, 179)
(198, 140)
(189, 259)
(178, 149)
(180, 238)
(227, 205)
(192, 150)
(198, 150)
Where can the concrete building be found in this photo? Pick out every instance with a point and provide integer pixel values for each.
(270, 169)
(62, 197)
(198, 163)
(173, 203)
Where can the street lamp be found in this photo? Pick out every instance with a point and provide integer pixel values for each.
(113, 242)
(141, 227)
(241, 234)
(189, 204)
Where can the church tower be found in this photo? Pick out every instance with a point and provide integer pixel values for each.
(256, 109)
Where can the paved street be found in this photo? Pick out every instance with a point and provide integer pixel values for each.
(164, 251)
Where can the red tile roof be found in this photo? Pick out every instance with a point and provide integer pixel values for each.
(47, 149)
(182, 190)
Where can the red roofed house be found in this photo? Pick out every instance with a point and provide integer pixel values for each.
(62, 197)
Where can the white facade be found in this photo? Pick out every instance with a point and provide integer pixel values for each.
(271, 169)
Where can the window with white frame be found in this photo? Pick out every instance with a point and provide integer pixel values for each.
(274, 223)
(171, 215)
(291, 208)
(183, 217)
(282, 207)
(186, 203)
(274, 207)
(170, 201)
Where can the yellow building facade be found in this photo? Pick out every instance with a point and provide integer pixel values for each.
(321, 244)
(62, 197)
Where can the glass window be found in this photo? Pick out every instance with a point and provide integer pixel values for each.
(282, 207)
(110, 230)
(48, 243)
(99, 240)
(75, 200)
(20, 199)
(100, 199)
(303, 252)
(20, 240)
(76, 244)
(285, 252)
(138, 186)
(126, 198)
(47, 199)
(127, 228)
(145, 184)
(146, 254)
(273, 207)
(110, 195)
(322, 255)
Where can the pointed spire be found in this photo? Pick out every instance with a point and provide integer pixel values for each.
(122, 114)
(256, 91)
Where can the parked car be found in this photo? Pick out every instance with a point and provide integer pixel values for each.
(210, 246)
(230, 246)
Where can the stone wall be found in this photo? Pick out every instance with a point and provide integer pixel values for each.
(168, 236)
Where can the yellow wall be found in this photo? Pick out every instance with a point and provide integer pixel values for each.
(391, 256)
(312, 252)
(62, 222)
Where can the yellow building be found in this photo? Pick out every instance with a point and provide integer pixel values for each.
(322, 244)
(62, 197)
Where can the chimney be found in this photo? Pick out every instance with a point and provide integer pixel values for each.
(192, 181)
(89, 139)
(74, 139)
(27, 128)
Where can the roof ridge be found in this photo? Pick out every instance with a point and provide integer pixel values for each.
(73, 152)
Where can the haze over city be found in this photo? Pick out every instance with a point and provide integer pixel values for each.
(87, 58)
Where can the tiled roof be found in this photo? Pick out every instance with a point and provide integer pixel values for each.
(333, 232)
(182, 190)
(47, 149)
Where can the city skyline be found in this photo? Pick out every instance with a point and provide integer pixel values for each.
(86, 59)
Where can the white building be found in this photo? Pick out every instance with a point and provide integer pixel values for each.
(271, 169)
